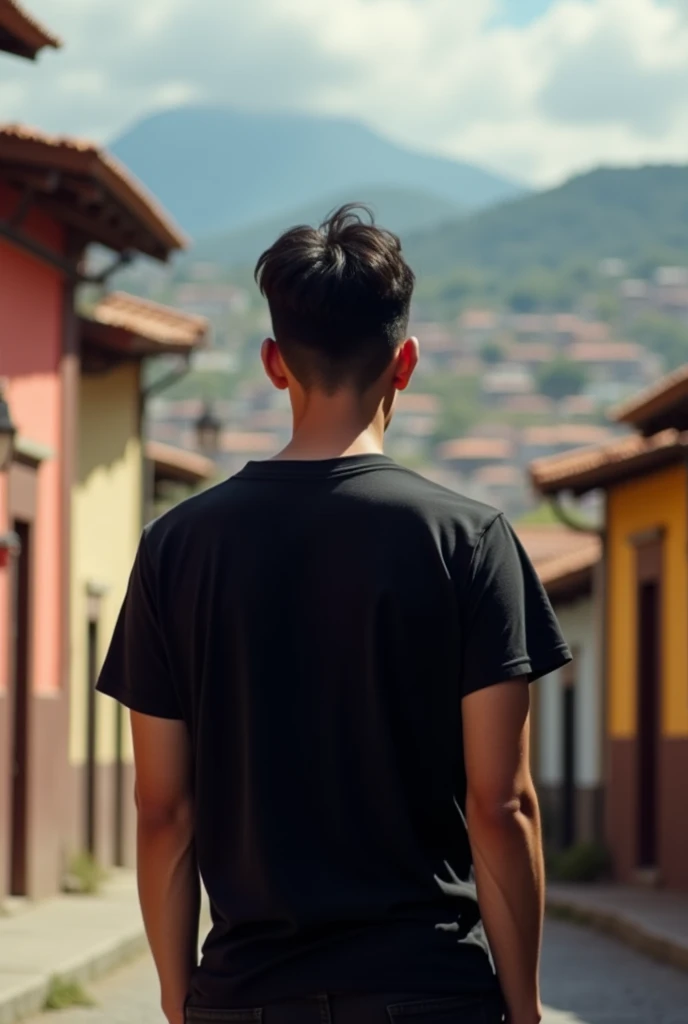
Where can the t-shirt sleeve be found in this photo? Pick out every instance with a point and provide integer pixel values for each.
(136, 671)
(510, 628)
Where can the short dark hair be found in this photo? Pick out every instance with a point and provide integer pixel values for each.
(339, 298)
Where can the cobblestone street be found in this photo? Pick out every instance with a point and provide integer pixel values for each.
(588, 979)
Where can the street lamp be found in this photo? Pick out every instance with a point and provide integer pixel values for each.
(7, 431)
(208, 429)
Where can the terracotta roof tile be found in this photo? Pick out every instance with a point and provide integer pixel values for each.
(590, 468)
(574, 434)
(478, 320)
(177, 464)
(500, 476)
(531, 352)
(478, 448)
(652, 400)
(24, 147)
(245, 443)
(418, 404)
(558, 552)
(149, 320)
(21, 33)
(605, 352)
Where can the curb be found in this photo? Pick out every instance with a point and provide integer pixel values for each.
(28, 999)
(617, 925)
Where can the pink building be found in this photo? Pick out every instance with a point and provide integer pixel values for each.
(56, 196)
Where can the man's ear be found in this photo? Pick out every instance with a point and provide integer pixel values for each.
(273, 364)
(406, 363)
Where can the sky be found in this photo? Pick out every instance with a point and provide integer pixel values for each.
(536, 89)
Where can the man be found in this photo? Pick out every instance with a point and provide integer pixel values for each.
(327, 659)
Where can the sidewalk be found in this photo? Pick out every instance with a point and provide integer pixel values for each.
(652, 921)
(81, 938)
(78, 938)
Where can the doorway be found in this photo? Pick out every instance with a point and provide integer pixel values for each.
(568, 754)
(21, 666)
(649, 624)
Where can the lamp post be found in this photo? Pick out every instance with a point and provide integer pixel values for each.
(208, 429)
(8, 431)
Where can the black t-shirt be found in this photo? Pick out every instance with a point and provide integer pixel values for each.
(316, 625)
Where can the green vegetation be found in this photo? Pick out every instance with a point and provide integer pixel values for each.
(63, 994)
(460, 403)
(561, 378)
(84, 875)
(542, 515)
(637, 215)
(664, 336)
(492, 353)
(586, 862)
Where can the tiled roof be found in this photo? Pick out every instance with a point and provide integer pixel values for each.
(244, 443)
(500, 476)
(558, 553)
(477, 448)
(478, 320)
(179, 465)
(24, 149)
(605, 352)
(21, 33)
(418, 404)
(586, 470)
(574, 434)
(159, 324)
(654, 400)
(531, 352)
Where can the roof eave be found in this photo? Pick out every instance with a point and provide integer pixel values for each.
(571, 585)
(26, 36)
(602, 477)
(128, 344)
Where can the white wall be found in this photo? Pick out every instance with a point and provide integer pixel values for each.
(578, 624)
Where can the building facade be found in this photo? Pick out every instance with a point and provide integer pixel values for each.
(645, 585)
(46, 227)
(111, 501)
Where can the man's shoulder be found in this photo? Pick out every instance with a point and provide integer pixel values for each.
(191, 514)
(442, 503)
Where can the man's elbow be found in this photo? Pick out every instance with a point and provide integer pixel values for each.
(503, 809)
(158, 815)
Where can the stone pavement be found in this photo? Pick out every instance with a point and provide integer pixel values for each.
(587, 979)
(652, 921)
(77, 938)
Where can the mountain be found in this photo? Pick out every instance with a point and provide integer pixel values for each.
(216, 168)
(401, 210)
(631, 214)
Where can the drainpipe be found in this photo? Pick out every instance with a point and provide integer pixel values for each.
(148, 472)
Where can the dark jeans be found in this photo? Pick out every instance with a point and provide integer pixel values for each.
(362, 1009)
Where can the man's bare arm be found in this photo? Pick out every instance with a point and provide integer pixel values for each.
(504, 830)
(169, 888)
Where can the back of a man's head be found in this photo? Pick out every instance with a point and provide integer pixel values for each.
(339, 298)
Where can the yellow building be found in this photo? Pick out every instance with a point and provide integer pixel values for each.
(645, 480)
(108, 510)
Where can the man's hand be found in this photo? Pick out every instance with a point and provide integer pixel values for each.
(169, 887)
(504, 831)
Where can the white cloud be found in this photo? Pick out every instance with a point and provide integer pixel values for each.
(588, 81)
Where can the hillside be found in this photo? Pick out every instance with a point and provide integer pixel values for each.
(216, 169)
(632, 214)
(401, 210)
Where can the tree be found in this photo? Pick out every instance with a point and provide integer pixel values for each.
(492, 353)
(664, 336)
(561, 378)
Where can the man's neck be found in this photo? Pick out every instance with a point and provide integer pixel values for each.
(333, 428)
